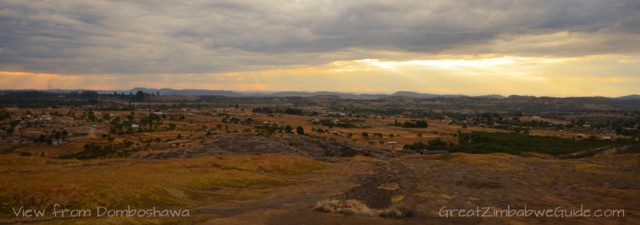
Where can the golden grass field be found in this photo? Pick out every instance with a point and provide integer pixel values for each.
(283, 189)
(39, 183)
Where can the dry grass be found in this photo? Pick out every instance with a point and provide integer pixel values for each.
(356, 208)
(589, 167)
(493, 161)
(40, 182)
(270, 163)
(389, 186)
(193, 219)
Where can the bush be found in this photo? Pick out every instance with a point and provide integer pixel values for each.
(94, 151)
(512, 143)
(416, 124)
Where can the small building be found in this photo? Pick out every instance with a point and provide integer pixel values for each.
(135, 125)
(45, 117)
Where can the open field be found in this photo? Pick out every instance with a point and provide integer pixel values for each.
(281, 189)
(245, 161)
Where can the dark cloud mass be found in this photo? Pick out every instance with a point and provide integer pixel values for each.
(154, 36)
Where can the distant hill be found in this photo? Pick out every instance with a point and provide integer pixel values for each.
(323, 93)
(406, 94)
(163, 91)
(414, 94)
(629, 97)
(168, 91)
(407, 100)
(490, 96)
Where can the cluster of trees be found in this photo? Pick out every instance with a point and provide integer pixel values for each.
(346, 123)
(289, 129)
(90, 115)
(95, 151)
(486, 142)
(236, 120)
(118, 126)
(433, 144)
(269, 129)
(139, 96)
(627, 124)
(11, 126)
(290, 111)
(55, 136)
(512, 143)
(47, 99)
(149, 122)
(413, 124)
(4, 115)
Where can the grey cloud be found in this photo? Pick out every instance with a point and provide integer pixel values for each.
(77, 36)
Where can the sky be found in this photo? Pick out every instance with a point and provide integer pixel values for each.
(526, 47)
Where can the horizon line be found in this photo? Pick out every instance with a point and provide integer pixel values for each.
(318, 91)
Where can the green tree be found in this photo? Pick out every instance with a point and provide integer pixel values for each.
(299, 130)
(288, 129)
(437, 143)
(4, 115)
(91, 116)
(140, 96)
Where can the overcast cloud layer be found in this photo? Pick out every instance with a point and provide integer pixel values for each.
(155, 36)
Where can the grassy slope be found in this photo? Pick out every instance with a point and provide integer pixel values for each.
(173, 183)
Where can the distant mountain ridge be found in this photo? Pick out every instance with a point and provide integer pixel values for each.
(412, 94)
(629, 97)
(204, 92)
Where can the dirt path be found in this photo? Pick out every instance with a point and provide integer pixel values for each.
(372, 182)
(377, 190)
(461, 181)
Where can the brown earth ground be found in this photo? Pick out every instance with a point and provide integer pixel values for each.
(283, 189)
